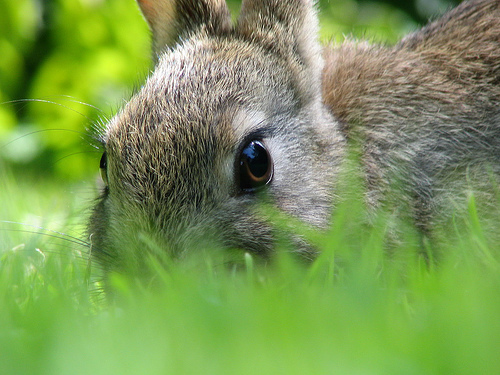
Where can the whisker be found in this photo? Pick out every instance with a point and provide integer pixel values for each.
(70, 239)
(88, 268)
(15, 101)
(73, 154)
(76, 239)
(103, 118)
(44, 130)
(73, 100)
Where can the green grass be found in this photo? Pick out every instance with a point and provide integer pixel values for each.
(353, 311)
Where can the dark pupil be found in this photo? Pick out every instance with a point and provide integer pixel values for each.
(256, 167)
(255, 156)
(103, 164)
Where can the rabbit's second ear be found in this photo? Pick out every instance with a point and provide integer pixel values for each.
(171, 19)
(288, 27)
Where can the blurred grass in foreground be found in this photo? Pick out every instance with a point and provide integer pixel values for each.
(353, 311)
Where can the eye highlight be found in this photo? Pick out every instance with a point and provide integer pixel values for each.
(103, 168)
(255, 166)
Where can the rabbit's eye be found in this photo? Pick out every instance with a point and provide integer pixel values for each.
(255, 166)
(103, 168)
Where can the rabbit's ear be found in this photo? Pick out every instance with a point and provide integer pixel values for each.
(287, 27)
(170, 20)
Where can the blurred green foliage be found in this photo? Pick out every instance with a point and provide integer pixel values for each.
(65, 53)
(353, 311)
(66, 64)
(367, 314)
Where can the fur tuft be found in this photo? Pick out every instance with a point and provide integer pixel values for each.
(172, 20)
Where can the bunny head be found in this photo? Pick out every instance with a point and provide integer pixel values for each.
(229, 114)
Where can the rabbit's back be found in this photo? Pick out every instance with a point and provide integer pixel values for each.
(427, 110)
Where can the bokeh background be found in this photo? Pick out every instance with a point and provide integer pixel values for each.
(66, 64)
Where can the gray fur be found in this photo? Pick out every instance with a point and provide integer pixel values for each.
(426, 113)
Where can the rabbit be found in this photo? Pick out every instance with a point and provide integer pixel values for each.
(258, 110)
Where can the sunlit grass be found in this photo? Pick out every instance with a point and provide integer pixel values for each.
(353, 311)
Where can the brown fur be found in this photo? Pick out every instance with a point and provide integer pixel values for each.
(425, 113)
(428, 107)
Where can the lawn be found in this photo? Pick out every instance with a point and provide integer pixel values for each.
(355, 310)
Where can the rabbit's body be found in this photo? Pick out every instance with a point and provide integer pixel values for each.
(426, 111)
